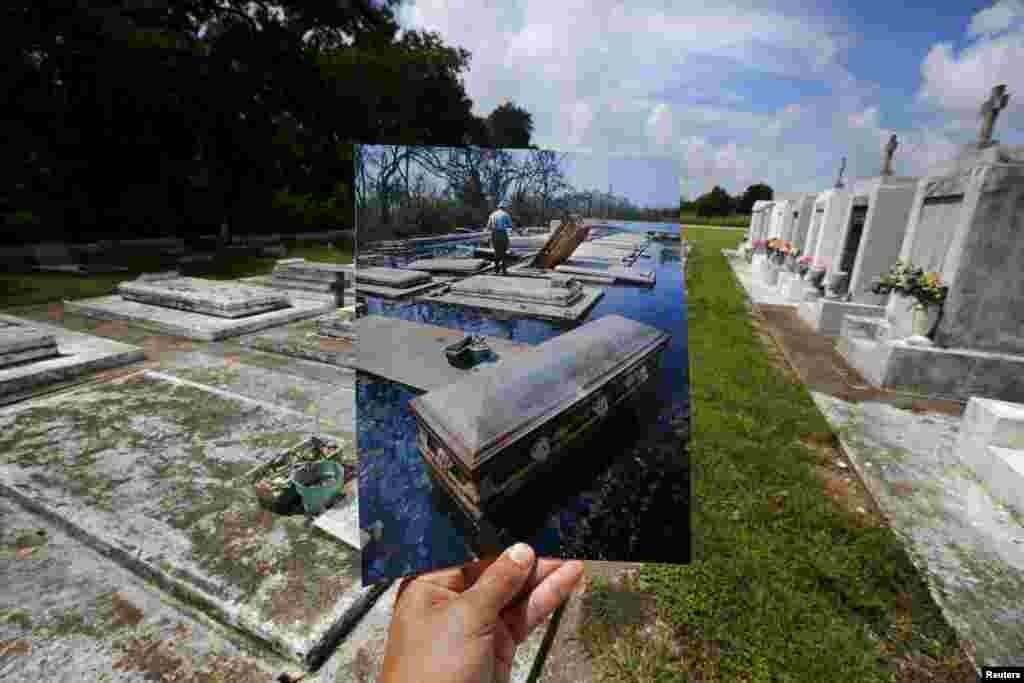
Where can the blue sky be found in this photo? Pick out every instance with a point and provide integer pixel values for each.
(738, 93)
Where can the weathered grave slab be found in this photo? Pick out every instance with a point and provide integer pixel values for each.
(209, 297)
(574, 312)
(155, 474)
(397, 278)
(198, 325)
(460, 266)
(297, 273)
(992, 443)
(77, 355)
(413, 353)
(341, 326)
(67, 613)
(617, 274)
(19, 336)
(329, 401)
(395, 293)
(529, 290)
(966, 544)
(304, 340)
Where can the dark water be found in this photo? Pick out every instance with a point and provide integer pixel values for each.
(621, 495)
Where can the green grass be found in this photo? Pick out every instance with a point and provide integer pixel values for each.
(738, 221)
(797, 592)
(31, 289)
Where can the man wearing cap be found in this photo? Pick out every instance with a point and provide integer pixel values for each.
(499, 224)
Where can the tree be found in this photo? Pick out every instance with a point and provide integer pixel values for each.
(208, 111)
(510, 126)
(714, 203)
(755, 193)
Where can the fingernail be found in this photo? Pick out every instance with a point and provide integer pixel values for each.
(521, 554)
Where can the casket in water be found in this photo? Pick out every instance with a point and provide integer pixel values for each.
(485, 436)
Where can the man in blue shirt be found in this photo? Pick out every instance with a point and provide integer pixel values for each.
(499, 224)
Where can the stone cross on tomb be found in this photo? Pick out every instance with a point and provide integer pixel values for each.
(839, 179)
(890, 149)
(996, 102)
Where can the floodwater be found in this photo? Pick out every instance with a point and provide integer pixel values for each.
(621, 495)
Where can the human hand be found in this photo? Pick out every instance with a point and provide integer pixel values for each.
(462, 625)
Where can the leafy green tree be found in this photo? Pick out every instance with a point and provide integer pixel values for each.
(714, 203)
(754, 193)
(175, 117)
(510, 126)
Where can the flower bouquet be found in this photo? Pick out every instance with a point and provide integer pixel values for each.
(803, 264)
(924, 287)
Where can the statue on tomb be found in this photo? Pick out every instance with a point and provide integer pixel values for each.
(890, 149)
(996, 102)
(839, 179)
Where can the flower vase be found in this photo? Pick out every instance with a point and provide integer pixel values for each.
(922, 323)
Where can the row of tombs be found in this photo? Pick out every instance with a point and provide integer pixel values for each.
(919, 281)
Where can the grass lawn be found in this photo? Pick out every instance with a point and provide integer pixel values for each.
(790, 583)
(28, 289)
(738, 221)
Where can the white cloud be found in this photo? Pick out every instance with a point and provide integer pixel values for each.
(958, 82)
(659, 79)
(996, 19)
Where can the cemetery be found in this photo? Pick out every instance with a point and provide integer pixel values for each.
(910, 294)
(530, 353)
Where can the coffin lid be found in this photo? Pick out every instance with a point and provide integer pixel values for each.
(498, 404)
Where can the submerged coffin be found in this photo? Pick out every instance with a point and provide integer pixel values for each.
(519, 289)
(449, 265)
(391, 277)
(485, 436)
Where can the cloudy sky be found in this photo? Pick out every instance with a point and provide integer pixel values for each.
(740, 92)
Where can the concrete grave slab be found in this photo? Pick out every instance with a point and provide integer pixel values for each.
(396, 293)
(17, 336)
(992, 443)
(617, 274)
(462, 266)
(954, 373)
(966, 543)
(197, 325)
(413, 353)
(330, 403)
(517, 289)
(155, 475)
(70, 614)
(396, 278)
(574, 312)
(210, 297)
(304, 340)
(78, 354)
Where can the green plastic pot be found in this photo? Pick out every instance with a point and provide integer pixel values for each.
(314, 498)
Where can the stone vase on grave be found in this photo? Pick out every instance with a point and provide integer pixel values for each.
(836, 286)
(899, 313)
(922, 324)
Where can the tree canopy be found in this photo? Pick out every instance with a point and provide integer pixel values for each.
(161, 117)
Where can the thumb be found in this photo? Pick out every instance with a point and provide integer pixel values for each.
(501, 583)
